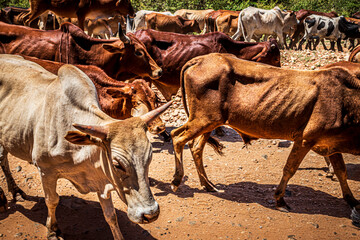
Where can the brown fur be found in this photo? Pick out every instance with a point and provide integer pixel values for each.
(318, 110)
(354, 55)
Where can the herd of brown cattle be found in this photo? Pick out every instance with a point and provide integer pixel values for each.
(222, 81)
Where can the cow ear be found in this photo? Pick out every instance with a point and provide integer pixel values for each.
(80, 138)
(117, 47)
(119, 92)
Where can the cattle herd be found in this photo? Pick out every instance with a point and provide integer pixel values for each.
(77, 104)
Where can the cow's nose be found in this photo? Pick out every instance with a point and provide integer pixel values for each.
(157, 73)
(148, 218)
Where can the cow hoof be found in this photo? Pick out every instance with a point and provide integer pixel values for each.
(173, 187)
(283, 209)
(19, 196)
(282, 206)
(355, 217)
(54, 235)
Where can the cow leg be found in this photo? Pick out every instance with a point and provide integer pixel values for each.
(323, 43)
(17, 193)
(338, 43)
(110, 216)
(316, 43)
(330, 172)
(332, 46)
(340, 171)
(180, 137)
(81, 19)
(297, 154)
(301, 43)
(49, 182)
(197, 148)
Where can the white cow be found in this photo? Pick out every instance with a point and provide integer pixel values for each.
(139, 20)
(256, 21)
(55, 122)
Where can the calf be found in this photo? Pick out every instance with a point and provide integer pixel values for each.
(322, 27)
(174, 24)
(318, 110)
(55, 122)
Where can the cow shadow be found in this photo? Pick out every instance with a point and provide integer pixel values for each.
(79, 219)
(301, 199)
(353, 171)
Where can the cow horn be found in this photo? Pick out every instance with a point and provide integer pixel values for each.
(150, 116)
(125, 39)
(96, 131)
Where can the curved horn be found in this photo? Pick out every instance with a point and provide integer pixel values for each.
(96, 131)
(150, 116)
(125, 39)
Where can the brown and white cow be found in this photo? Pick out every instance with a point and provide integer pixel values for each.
(174, 24)
(318, 110)
(80, 9)
(197, 15)
(171, 51)
(122, 59)
(55, 122)
(119, 100)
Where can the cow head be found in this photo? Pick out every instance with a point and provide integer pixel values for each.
(290, 20)
(137, 96)
(125, 161)
(124, 7)
(135, 59)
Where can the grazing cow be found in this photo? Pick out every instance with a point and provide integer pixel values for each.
(138, 22)
(174, 24)
(121, 59)
(355, 55)
(55, 122)
(300, 28)
(117, 99)
(80, 9)
(171, 51)
(259, 21)
(322, 27)
(227, 23)
(198, 15)
(318, 110)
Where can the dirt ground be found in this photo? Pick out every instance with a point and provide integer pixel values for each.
(243, 209)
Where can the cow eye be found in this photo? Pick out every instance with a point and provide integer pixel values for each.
(119, 166)
(138, 53)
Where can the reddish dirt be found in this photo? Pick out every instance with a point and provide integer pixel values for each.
(243, 209)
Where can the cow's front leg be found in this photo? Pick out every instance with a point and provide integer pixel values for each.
(297, 154)
(49, 182)
(110, 216)
(18, 194)
(340, 170)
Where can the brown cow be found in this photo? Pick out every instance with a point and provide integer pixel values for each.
(171, 51)
(210, 19)
(80, 8)
(318, 110)
(119, 100)
(98, 28)
(355, 55)
(227, 23)
(174, 24)
(300, 28)
(120, 59)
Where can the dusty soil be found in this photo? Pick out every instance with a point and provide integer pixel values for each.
(243, 209)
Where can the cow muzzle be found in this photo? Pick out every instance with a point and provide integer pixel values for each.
(142, 215)
(157, 73)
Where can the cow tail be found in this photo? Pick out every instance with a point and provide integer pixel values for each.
(212, 141)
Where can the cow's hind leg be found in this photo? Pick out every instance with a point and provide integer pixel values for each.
(110, 216)
(181, 136)
(49, 182)
(340, 170)
(297, 154)
(18, 194)
(197, 148)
